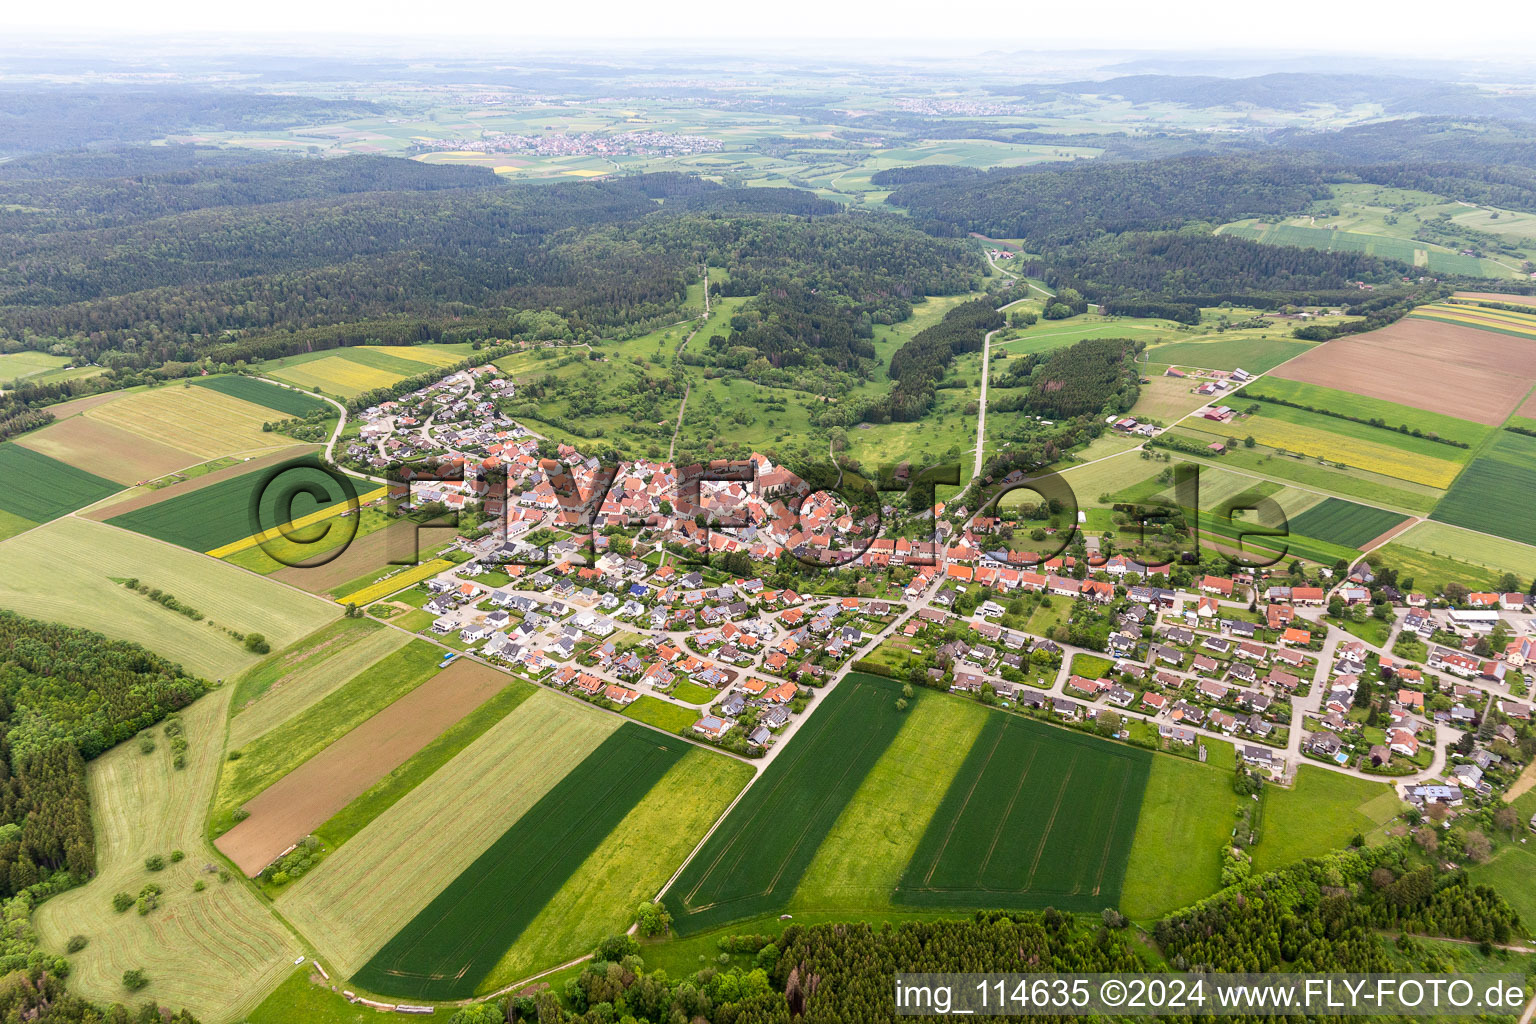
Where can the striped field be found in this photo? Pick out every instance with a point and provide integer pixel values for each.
(389, 872)
(1520, 325)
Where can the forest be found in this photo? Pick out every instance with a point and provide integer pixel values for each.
(1324, 915)
(67, 695)
(253, 260)
(1061, 204)
(71, 117)
(1195, 269)
(1091, 376)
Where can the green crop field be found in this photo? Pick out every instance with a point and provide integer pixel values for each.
(1343, 522)
(367, 891)
(1186, 816)
(758, 855)
(1493, 494)
(861, 860)
(651, 841)
(65, 572)
(223, 513)
(291, 680)
(38, 488)
(1491, 553)
(661, 714)
(1036, 817)
(260, 392)
(1364, 407)
(1256, 355)
(446, 950)
(1321, 812)
(276, 753)
(215, 952)
(12, 524)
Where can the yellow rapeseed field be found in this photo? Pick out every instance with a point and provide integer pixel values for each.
(1366, 455)
(415, 574)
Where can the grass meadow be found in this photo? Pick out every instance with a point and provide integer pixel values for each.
(1186, 817)
(662, 714)
(1321, 812)
(215, 952)
(291, 680)
(65, 572)
(1494, 554)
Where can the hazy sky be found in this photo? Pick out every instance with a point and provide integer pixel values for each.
(1493, 27)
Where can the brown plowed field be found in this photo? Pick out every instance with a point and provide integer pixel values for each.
(364, 554)
(145, 498)
(304, 799)
(1457, 371)
(1517, 300)
(106, 450)
(1378, 541)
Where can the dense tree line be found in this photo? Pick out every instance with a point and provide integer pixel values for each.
(67, 695)
(1323, 915)
(82, 196)
(1421, 140)
(23, 421)
(37, 118)
(1058, 204)
(1179, 312)
(918, 367)
(1092, 376)
(1195, 268)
